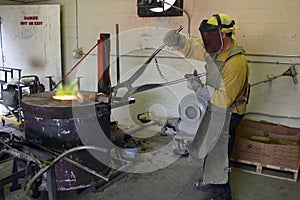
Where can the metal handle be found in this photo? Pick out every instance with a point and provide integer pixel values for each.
(163, 45)
(141, 70)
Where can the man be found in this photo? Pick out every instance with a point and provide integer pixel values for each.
(225, 90)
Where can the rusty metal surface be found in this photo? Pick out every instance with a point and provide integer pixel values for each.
(43, 105)
(61, 125)
(56, 123)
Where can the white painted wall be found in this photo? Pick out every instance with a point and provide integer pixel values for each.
(266, 27)
(31, 40)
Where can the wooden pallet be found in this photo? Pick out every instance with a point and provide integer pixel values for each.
(265, 170)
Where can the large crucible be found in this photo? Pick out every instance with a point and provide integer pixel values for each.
(60, 125)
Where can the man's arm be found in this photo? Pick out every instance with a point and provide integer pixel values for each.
(234, 78)
(193, 48)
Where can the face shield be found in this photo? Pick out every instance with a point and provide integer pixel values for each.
(212, 37)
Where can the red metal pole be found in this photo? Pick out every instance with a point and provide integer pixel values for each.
(76, 65)
(104, 84)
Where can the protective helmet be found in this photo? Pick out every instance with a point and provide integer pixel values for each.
(224, 21)
(211, 29)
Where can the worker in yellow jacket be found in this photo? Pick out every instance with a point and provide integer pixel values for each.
(225, 90)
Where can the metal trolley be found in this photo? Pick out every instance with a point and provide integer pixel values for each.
(13, 88)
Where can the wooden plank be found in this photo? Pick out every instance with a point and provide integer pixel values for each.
(260, 170)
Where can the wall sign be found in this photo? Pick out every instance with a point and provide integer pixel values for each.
(31, 21)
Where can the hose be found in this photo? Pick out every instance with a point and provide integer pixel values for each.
(43, 170)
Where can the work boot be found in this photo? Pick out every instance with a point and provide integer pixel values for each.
(221, 191)
(202, 186)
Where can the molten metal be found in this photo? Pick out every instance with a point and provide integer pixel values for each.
(65, 97)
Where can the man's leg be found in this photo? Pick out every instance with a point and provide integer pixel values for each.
(234, 122)
(223, 191)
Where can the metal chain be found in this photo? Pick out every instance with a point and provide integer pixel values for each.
(159, 71)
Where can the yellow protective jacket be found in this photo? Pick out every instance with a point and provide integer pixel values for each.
(234, 75)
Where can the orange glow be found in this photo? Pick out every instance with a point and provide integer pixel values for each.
(65, 97)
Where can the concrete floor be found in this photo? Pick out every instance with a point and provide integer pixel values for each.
(175, 182)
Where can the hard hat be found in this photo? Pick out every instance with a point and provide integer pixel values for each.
(211, 30)
(224, 22)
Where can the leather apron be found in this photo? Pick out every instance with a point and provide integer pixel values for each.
(210, 145)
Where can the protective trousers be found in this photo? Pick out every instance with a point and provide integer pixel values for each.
(210, 145)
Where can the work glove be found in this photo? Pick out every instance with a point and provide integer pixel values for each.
(193, 82)
(204, 92)
(175, 40)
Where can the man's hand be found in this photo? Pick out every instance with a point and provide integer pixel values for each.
(175, 40)
(204, 92)
(194, 83)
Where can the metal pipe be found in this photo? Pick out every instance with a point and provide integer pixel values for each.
(151, 86)
(250, 61)
(187, 14)
(289, 72)
(141, 70)
(76, 18)
(51, 184)
(104, 84)
(1, 44)
(43, 170)
(18, 154)
(117, 53)
(181, 80)
(270, 115)
(265, 81)
(272, 55)
(270, 62)
(76, 65)
(145, 56)
(87, 169)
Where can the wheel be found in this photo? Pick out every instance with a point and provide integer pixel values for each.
(4, 137)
